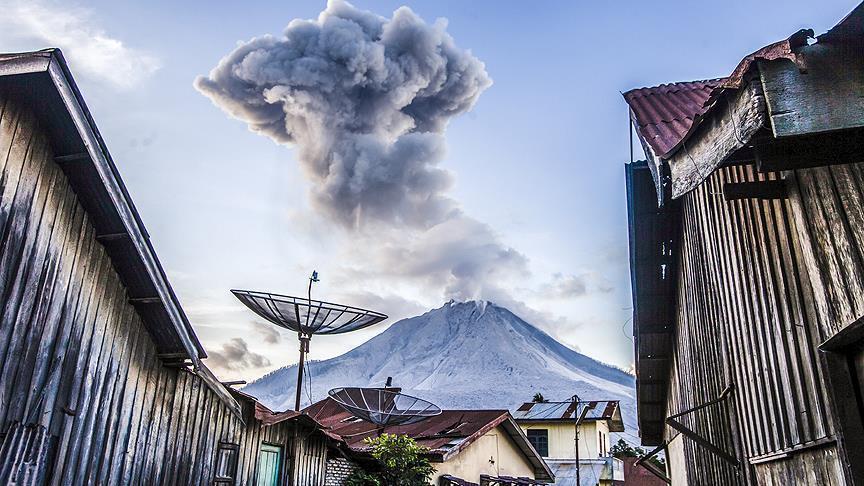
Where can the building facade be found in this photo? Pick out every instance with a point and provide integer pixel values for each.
(101, 378)
(746, 247)
(573, 437)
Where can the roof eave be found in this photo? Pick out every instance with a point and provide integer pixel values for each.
(50, 62)
(542, 472)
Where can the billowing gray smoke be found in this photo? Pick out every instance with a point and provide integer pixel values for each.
(365, 99)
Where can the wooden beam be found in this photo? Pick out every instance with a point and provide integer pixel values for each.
(826, 97)
(146, 301)
(644, 461)
(773, 189)
(234, 382)
(79, 157)
(702, 441)
(734, 119)
(178, 364)
(844, 147)
(112, 237)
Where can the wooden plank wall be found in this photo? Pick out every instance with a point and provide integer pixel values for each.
(829, 204)
(743, 319)
(77, 364)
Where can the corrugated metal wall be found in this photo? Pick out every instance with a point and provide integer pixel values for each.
(78, 368)
(743, 319)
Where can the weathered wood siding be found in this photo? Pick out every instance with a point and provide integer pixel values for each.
(83, 395)
(744, 319)
(829, 204)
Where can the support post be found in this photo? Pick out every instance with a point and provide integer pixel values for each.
(304, 348)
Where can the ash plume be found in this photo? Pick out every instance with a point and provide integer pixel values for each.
(366, 100)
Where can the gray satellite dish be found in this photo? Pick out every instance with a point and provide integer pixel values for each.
(307, 317)
(383, 407)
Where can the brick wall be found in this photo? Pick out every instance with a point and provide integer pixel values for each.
(338, 470)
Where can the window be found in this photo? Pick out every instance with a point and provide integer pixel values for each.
(226, 463)
(539, 438)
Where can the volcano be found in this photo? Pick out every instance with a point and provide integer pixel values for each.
(465, 355)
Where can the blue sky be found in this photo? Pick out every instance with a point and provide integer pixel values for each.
(539, 159)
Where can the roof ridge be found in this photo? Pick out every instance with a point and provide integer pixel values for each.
(673, 84)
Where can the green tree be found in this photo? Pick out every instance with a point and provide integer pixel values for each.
(623, 449)
(538, 398)
(400, 462)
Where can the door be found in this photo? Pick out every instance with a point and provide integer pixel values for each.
(269, 461)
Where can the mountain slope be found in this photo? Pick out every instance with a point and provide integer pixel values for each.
(461, 355)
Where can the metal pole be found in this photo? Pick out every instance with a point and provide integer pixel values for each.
(578, 479)
(304, 343)
(579, 418)
(304, 348)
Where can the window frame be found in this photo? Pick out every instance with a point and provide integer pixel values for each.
(234, 461)
(537, 435)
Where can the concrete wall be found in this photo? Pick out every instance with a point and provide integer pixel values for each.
(562, 438)
(675, 461)
(506, 459)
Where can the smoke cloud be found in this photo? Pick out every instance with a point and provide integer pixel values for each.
(267, 332)
(366, 100)
(235, 355)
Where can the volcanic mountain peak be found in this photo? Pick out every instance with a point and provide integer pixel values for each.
(472, 354)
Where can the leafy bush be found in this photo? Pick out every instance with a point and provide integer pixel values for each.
(400, 462)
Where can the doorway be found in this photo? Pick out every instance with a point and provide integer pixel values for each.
(269, 462)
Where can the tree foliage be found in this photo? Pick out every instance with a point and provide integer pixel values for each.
(538, 398)
(623, 449)
(400, 462)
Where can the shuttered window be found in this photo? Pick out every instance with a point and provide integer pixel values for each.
(226, 463)
(539, 438)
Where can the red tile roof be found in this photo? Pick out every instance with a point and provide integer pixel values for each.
(664, 114)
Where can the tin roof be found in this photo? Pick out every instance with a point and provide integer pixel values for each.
(445, 435)
(585, 472)
(571, 410)
(664, 114)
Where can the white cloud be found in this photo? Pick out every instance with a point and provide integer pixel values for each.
(32, 25)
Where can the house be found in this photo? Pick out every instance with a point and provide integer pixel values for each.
(101, 375)
(573, 438)
(746, 227)
(465, 446)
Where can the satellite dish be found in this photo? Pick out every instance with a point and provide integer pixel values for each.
(383, 407)
(307, 317)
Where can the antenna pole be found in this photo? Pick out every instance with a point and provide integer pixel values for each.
(304, 348)
(304, 344)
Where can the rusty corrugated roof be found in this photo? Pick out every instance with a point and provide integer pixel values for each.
(664, 114)
(440, 434)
